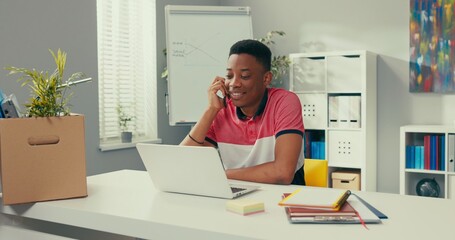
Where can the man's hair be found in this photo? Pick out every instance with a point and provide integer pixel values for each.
(254, 48)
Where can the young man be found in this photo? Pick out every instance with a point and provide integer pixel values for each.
(258, 130)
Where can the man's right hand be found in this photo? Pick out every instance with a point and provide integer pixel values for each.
(218, 85)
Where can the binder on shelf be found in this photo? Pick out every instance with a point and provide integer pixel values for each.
(343, 111)
(333, 111)
(451, 153)
(354, 113)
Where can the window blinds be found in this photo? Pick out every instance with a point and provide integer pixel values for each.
(127, 67)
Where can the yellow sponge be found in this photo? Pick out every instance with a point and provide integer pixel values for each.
(245, 206)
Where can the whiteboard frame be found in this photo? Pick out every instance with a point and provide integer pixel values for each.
(195, 10)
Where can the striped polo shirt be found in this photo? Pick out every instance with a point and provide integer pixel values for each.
(244, 142)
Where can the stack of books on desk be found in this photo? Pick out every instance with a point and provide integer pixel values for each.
(299, 214)
(324, 205)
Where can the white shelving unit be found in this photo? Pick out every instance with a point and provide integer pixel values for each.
(338, 95)
(413, 135)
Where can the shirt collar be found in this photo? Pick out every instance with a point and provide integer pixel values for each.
(260, 110)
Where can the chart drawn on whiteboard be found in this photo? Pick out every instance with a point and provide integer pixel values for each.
(198, 39)
(200, 52)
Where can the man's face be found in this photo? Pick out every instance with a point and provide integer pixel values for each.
(246, 81)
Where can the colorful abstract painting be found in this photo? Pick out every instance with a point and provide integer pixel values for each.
(432, 46)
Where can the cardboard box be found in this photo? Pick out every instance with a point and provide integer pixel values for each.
(346, 180)
(42, 159)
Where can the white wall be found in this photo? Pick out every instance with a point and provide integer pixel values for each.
(377, 26)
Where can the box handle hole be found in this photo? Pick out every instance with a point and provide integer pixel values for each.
(43, 140)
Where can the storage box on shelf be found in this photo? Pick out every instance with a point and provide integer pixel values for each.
(338, 95)
(427, 153)
(346, 180)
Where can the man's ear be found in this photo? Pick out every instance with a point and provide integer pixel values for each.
(268, 76)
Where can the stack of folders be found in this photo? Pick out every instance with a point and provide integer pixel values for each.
(325, 205)
(344, 111)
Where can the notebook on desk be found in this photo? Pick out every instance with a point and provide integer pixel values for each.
(189, 170)
(363, 216)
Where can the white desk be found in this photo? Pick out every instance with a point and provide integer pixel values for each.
(125, 202)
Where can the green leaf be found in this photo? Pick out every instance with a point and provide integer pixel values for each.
(47, 99)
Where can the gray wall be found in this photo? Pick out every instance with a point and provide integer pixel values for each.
(29, 28)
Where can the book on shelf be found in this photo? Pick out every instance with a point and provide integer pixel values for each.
(434, 153)
(316, 198)
(314, 145)
(426, 146)
(442, 163)
(429, 156)
(317, 150)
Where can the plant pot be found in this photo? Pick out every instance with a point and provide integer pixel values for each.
(126, 137)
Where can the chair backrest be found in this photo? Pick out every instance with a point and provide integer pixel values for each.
(316, 172)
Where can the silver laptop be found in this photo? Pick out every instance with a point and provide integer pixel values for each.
(189, 170)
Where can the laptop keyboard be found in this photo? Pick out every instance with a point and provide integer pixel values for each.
(237, 189)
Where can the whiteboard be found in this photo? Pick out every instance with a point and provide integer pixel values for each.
(198, 39)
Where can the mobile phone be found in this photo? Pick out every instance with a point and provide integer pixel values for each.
(220, 94)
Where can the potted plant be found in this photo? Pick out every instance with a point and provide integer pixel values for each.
(280, 64)
(49, 93)
(124, 121)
